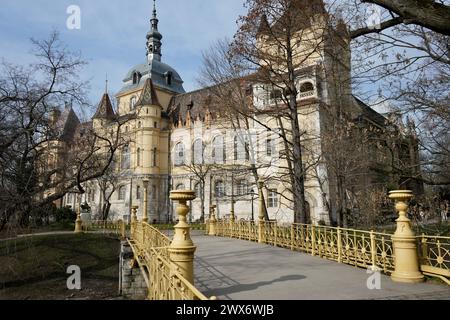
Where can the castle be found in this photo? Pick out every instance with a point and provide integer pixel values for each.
(178, 142)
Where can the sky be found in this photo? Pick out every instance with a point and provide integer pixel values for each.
(112, 34)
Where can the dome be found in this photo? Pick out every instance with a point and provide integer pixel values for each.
(158, 72)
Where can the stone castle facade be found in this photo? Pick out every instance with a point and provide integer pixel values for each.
(178, 142)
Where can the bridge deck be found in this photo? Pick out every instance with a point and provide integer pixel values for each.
(242, 270)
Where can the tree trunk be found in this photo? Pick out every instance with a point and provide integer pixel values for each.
(298, 172)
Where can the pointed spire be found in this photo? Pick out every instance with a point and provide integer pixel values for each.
(154, 38)
(154, 19)
(104, 109)
(106, 84)
(264, 26)
(148, 96)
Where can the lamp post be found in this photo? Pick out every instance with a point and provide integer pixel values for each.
(145, 215)
(252, 194)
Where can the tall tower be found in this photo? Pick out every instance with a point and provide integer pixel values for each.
(154, 38)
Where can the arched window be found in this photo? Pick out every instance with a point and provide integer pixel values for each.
(136, 77)
(236, 147)
(133, 101)
(154, 192)
(218, 150)
(197, 152)
(180, 186)
(169, 77)
(306, 87)
(179, 154)
(138, 157)
(125, 163)
(219, 189)
(138, 192)
(242, 187)
(198, 189)
(122, 193)
(241, 148)
(139, 124)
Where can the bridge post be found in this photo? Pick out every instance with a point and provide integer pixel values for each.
(134, 210)
(78, 222)
(339, 244)
(261, 226)
(404, 242)
(182, 248)
(212, 222)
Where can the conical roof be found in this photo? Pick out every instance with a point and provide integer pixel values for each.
(148, 96)
(105, 109)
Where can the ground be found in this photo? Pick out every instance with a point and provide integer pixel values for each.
(241, 270)
(35, 267)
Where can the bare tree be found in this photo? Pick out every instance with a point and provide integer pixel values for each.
(41, 160)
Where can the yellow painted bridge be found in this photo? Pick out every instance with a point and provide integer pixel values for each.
(267, 261)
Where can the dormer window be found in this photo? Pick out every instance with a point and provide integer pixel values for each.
(306, 89)
(136, 77)
(169, 78)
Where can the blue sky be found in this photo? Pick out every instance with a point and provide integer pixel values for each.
(112, 34)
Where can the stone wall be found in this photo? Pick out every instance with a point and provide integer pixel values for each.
(131, 282)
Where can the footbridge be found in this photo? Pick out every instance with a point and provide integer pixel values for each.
(264, 260)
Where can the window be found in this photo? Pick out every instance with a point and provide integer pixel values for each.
(198, 152)
(242, 187)
(218, 150)
(235, 148)
(276, 94)
(139, 124)
(91, 196)
(69, 198)
(198, 189)
(155, 124)
(136, 77)
(138, 192)
(306, 87)
(169, 77)
(180, 186)
(138, 157)
(270, 147)
(219, 189)
(155, 157)
(122, 193)
(154, 194)
(272, 198)
(179, 154)
(125, 158)
(241, 148)
(133, 101)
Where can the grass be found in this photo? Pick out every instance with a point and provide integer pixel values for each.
(35, 267)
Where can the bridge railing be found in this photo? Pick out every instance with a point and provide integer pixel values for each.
(429, 255)
(162, 276)
(118, 228)
(434, 253)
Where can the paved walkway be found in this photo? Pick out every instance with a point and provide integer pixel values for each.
(241, 270)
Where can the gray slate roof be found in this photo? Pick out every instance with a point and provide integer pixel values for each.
(158, 72)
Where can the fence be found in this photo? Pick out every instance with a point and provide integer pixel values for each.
(434, 255)
(354, 247)
(163, 278)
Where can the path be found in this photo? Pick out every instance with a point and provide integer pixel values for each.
(243, 270)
